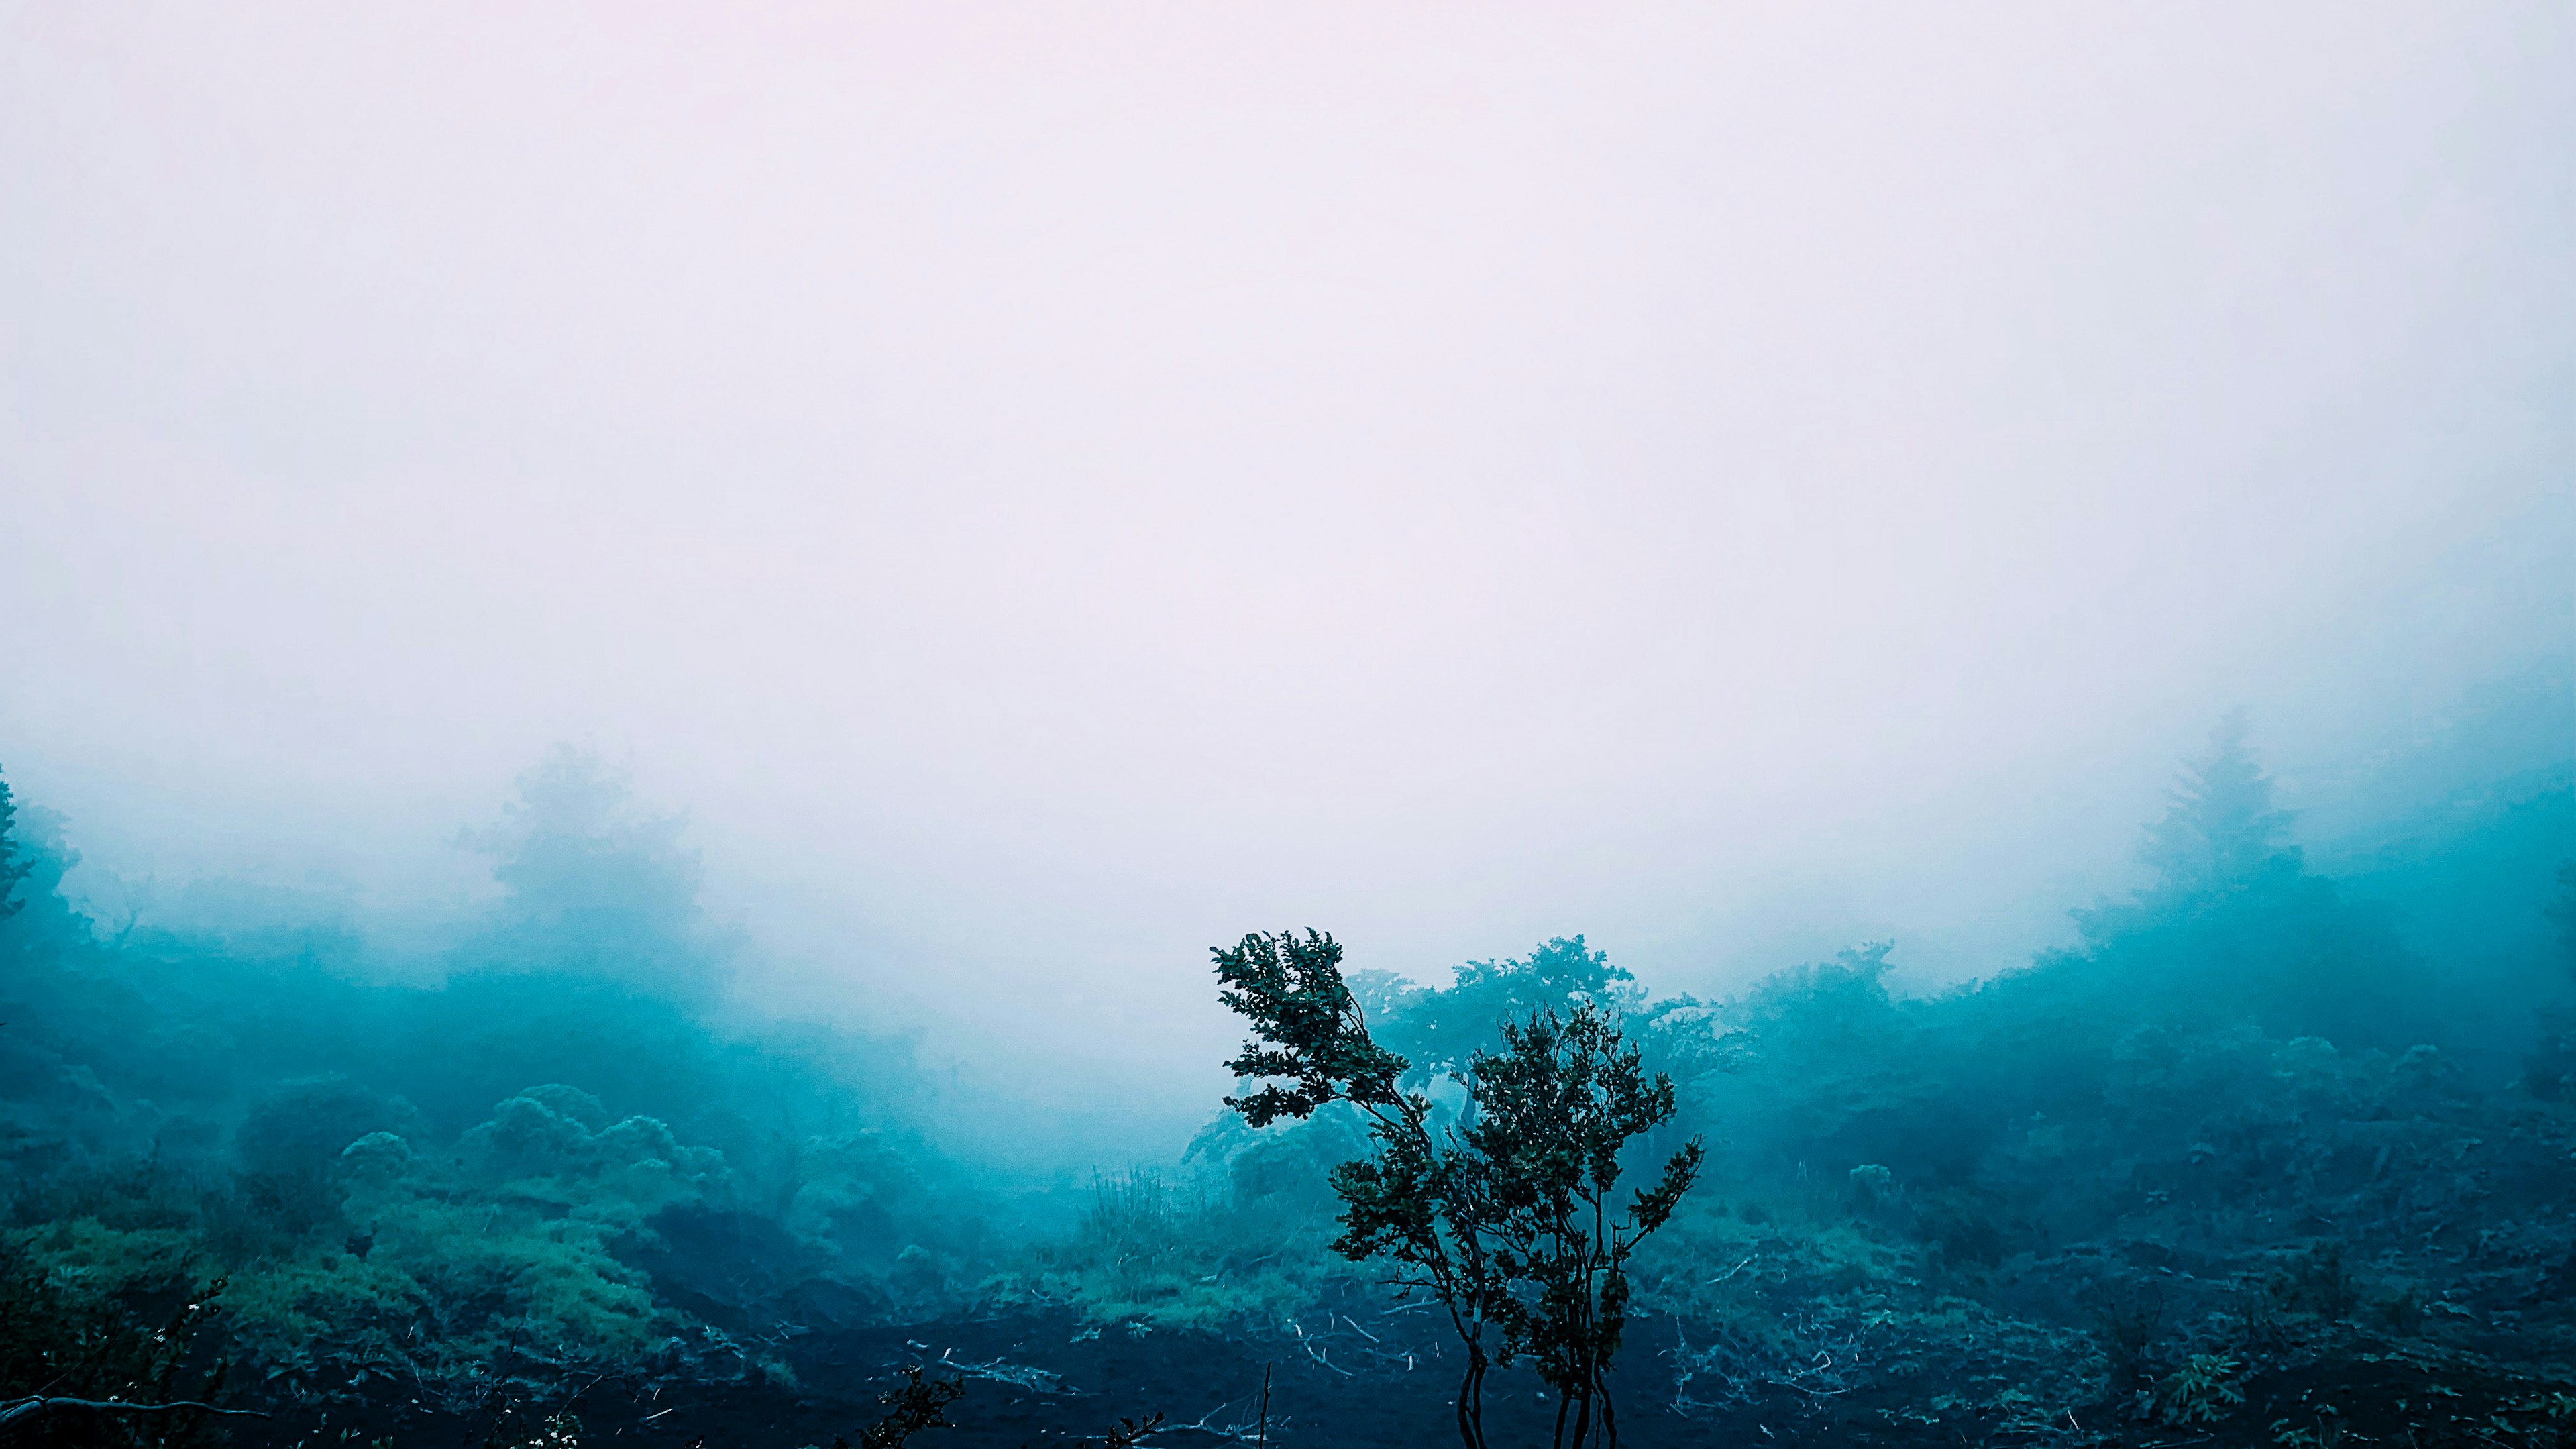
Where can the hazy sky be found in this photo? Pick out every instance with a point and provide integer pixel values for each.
(1048, 488)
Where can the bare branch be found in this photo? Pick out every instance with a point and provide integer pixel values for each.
(16, 1411)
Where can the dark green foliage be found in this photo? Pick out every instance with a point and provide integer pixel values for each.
(1505, 1218)
(60, 1341)
(1418, 1203)
(1309, 1027)
(1555, 1110)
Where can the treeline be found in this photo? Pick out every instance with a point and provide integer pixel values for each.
(2248, 1155)
(2256, 1153)
(562, 1150)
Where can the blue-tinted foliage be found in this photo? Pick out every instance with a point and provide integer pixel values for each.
(2288, 1107)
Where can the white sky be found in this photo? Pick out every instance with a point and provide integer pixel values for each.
(1049, 488)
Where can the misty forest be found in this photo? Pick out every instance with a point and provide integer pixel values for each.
(923, 724)
(2274, 1155)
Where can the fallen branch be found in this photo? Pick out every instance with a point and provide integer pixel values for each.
(1247, 1433)
(1326, 1362)
(1019, 1376)
(15, 1410)
(1731, 1272)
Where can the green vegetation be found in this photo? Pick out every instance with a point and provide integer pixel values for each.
(1505, 1216)
(71, 1349)
(2253, 1160)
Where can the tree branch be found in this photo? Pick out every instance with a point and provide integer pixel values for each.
(14, 1411)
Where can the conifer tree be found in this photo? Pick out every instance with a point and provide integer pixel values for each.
(2222, 828)
(13, 867)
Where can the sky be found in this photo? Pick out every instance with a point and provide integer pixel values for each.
(1046, 489)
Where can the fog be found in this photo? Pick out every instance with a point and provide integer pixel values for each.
(1047, 491)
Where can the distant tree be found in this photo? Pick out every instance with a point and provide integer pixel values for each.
(596, 886)
(1439, 1030)
(1508, 1221)
(2222, 828)
(2236, 927)
(14, 866)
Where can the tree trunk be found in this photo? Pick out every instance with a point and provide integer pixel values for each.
(1471, 1400)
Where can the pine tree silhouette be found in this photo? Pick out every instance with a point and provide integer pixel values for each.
(2222, 828)
(13, 867)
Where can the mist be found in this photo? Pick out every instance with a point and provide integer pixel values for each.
(1039, 492)
(942, 515)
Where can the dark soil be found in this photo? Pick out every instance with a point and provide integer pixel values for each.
(1208, 1387)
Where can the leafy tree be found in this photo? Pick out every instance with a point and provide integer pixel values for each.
(1438, 1031)
(1556, 1106)
(2236, 927)
(1507, 1221)
(596, 887)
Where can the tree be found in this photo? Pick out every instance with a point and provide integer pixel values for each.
(2221, 829)
(1439, 1030)
(1420, 1205)
(1555, 1109)
(2235, 927)
(13, 868)
(1506, 1221)
(596, 886)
